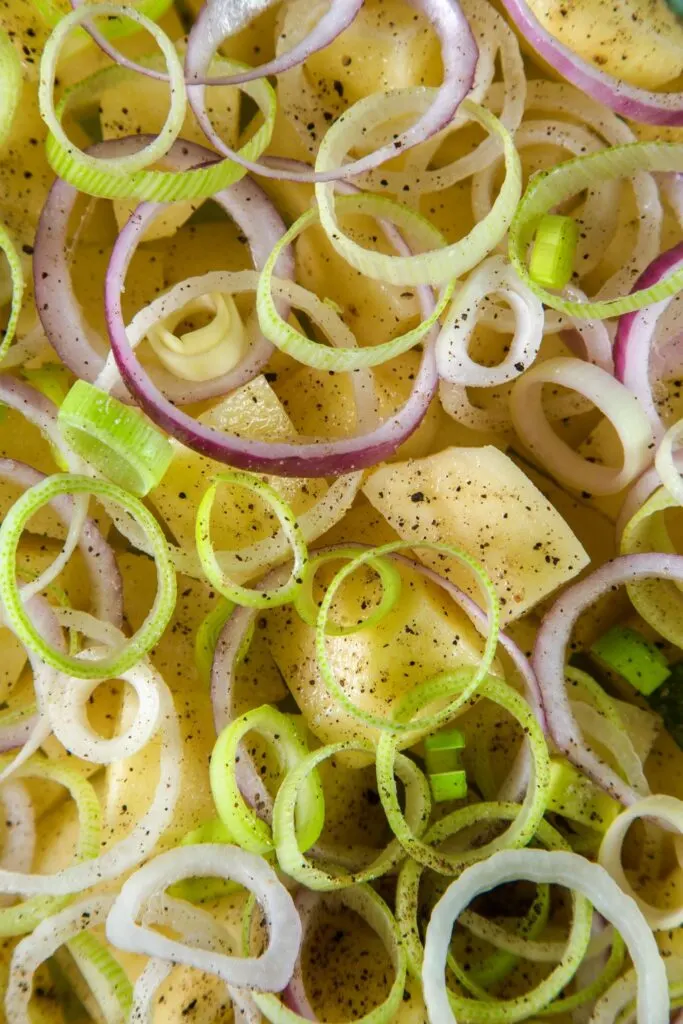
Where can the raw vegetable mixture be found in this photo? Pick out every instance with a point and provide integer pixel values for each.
(341, 487)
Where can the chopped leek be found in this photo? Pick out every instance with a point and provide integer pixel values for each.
(442, 751)
(448, 785)
(119, 442)
(552, 257)
(627, 652)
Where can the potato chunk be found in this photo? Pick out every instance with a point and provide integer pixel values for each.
(477, 499)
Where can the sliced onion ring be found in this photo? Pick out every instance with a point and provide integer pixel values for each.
(284, 459)
(634, 341)
(615, 401)
(660, 807)
(76, 343)
(560, 868)
(459, 57)
(270, 972)
(550, 650)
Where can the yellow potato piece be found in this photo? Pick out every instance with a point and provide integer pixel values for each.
(239, 518)
(640, 41)
(423, 635)
(386, 47)
(477, 499)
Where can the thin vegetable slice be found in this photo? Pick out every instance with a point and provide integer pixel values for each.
(116, 440)
(129, 652)
(89, 173)
(241, 821)
(438, 266)
(532, 810)
(269, 972)
(561, 868)
(288, 339)
(290, 528)
(490, 629)
(330, 877)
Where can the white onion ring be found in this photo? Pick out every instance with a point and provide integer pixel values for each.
(270, 972)
(494, 277)
(559, 868)
(616, 403)
(662, 808)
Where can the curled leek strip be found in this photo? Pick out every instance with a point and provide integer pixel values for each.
(290, 528)
(531, 812)
(493, 1011)
(241, 821)
(127, 653)
(87, 172)
(550, 188)
(391, 723)
(372, 909)
(389, 576)
(10, 84)
(207, 635)
(289, 855)
(560, 868)
(439, 265)
(104, 974)
(34, 950)
(118, 441)
(8, 247)
(410, 874)
(110, 178)
(323, 357)
(23, 918)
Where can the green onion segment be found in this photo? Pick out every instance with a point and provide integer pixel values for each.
(10, 85)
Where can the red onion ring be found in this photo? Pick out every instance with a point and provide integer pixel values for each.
(76, 343)
(627, 100)
(220, 19)
(549, 656)
(324, 458)
(635, 336)
(459, 54)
